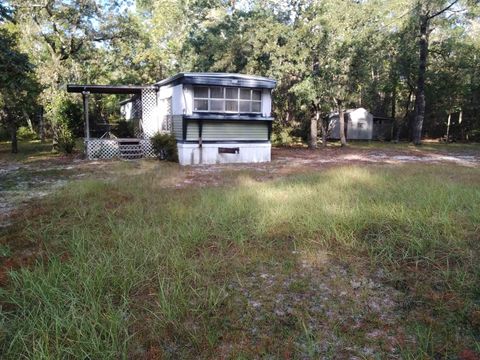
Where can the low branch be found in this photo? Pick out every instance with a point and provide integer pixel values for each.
(442, 11)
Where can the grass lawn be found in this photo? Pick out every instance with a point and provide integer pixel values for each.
(427, 146)
(371, 261)
(32, 150)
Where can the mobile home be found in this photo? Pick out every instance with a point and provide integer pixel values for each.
(215, 118)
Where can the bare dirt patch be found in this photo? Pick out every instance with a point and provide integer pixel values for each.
(289, 161)
(321, 309)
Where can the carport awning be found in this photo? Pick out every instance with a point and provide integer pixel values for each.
(108, 89)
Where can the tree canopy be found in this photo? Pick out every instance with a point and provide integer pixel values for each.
(415, 61)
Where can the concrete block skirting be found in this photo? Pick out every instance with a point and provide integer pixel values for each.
(221, 153)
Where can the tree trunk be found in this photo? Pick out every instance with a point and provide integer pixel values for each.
(394, 112)
(13, 138)
(312, 141)
(420, 95)
(462, 130)
(448, 127)
(324, 128)
(41, 125)
(405, 118)
(341, 119)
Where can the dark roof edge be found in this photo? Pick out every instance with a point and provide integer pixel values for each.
(227, 117)
(109, 89)
(223, 79)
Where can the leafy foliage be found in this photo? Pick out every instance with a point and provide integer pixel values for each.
(18, 87)
(165, 146)
(25, 133)
(65, 139)
(324, 55)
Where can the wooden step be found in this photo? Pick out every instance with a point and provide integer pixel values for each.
(130, 150)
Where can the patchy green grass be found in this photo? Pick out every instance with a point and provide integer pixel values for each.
(346, 262)
(427, 146)
(27, 150)
(31, 150)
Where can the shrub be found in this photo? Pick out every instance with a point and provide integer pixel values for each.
(165, 146)
(25, 133)
(65, 139)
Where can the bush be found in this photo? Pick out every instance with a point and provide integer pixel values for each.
(165, 146)
(65, 139)
(25, 133)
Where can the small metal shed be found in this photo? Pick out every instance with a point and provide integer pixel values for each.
(358, 125)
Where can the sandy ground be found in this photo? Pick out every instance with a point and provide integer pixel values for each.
(357, 314)
(23, 183)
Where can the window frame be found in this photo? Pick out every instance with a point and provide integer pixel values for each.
(209, 100)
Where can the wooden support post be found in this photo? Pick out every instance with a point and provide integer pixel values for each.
(85, 114)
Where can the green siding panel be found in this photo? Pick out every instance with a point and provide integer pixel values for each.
(177, 126)
(192, 131)
(229, 130)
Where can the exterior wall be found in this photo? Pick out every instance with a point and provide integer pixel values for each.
(177, 126)
(266, 102)
(235, 131)
(334, 127)
(192, 131)
(359, 125)
(126, 110)
(178, 100)
(188, 96)
(192, 154)
(228, 130)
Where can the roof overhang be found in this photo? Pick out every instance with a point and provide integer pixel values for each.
(227, 117)
(108, 89)
(220, 79)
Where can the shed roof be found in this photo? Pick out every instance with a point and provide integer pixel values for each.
(222, 79)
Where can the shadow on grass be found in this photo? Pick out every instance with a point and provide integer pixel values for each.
(148, 270)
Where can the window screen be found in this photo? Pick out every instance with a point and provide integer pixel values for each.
(227, 99)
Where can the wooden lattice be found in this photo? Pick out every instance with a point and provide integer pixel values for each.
(102, 148)
(147, 148)
(149, 106)
(144, 111)
(137, 116)
(113, 148)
